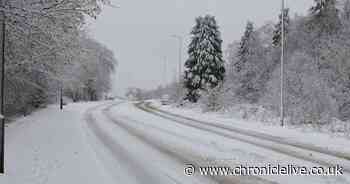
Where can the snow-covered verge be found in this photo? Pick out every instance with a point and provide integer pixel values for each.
(50, 147)
(263, 123)
(254, 113)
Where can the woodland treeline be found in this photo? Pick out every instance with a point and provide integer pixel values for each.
(317, 67)
(47, 49)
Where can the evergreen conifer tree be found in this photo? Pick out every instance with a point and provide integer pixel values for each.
(243, 50)
(325, 16)
(277, 34)
(204, 68)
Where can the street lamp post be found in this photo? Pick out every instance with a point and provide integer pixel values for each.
(61, 95)
(165, 72)
(2, 141)
(180, 38)
(282, 67)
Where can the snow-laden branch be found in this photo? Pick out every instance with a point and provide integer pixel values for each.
(46, 46)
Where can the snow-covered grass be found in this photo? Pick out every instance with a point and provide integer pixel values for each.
(259, 120)
(258, 114)
(50, 146)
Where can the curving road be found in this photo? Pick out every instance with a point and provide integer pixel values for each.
(137, 144)
(294, 149)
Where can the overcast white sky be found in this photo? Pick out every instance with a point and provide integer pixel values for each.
(139, 32)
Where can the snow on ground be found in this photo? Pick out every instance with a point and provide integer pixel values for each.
(49, 146)
(130, 158)
(292, 134)
(91, 143)
(209, 148)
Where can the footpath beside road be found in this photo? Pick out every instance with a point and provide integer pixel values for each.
(50, 147)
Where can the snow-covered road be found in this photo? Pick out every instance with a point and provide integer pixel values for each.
(195, 145)
(132, 156)
(307, 152)
(117, 142)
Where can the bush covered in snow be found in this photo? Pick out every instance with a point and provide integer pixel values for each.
(211, 100)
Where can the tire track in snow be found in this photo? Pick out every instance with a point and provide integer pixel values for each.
(135, 170)
(182, 156)
(338, 154)
(273, 144)
(119, 153)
